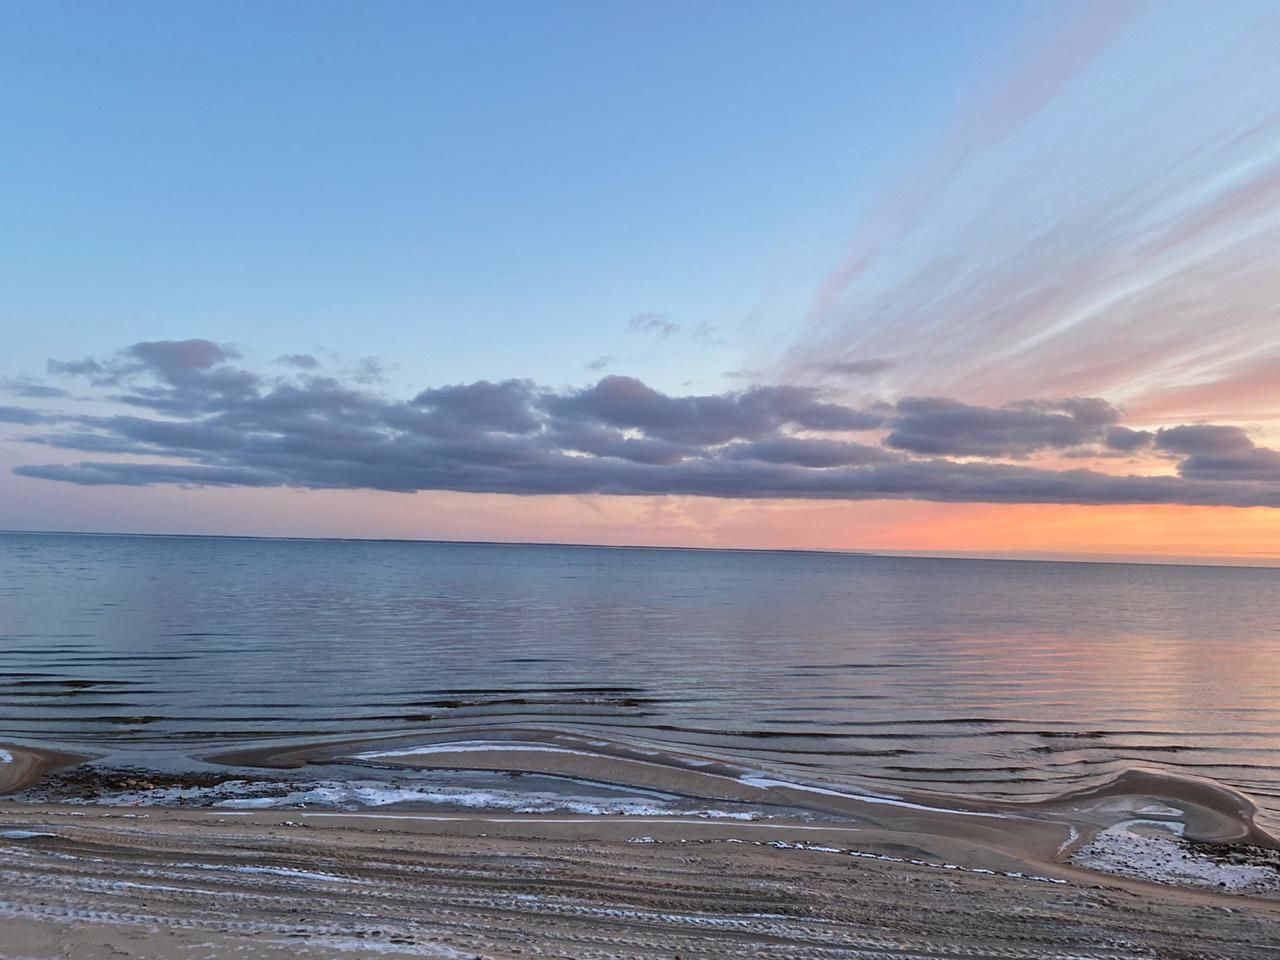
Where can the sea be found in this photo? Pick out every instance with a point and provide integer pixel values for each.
(988, 679)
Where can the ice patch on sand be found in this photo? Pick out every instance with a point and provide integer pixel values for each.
(364, 794)
(1155, 851)
(347, 795)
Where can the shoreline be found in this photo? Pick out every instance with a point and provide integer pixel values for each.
(1145, 826)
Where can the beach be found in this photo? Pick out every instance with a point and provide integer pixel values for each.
(807, 872)
(195, 883)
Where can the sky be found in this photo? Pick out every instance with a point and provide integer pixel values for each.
(996, 278)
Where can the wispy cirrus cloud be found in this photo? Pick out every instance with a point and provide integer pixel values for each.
(1065, 48)
(1108, 230)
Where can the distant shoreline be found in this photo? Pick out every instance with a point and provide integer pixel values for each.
(1136, 560)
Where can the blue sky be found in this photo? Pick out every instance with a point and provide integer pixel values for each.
(867, 275)
(472, 189)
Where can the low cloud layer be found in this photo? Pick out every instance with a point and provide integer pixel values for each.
(933, 425)
(188, 412)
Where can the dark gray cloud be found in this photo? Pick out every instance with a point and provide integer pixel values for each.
(1220, 453)
(629, 404)
(933, 425)
(1204, 439)
(506, 407)
(173, 358)
(134, 474)
(530, 472)
(202, 419)
(809, 452)
(1125, 440)
(602, 363)
(603, 441)
(182, 370)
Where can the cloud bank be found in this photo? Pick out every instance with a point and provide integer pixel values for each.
(190, 413)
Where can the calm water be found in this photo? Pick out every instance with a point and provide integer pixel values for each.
(997, 678)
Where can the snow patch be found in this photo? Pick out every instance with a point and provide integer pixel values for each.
(1155, 851)
(245, 795)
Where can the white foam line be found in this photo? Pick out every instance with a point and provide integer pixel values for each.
(750, 780)
(477, 746)
(766, 783)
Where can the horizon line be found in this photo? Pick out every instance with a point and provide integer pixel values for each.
(1267, 562)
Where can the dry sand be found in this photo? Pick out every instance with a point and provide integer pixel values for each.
(161, 883)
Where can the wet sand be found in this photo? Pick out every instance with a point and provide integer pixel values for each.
(1201, 809)
(156, 883)
(22, 766)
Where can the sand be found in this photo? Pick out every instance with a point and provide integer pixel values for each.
(156, 883)
(797, 869)
(21, 766)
